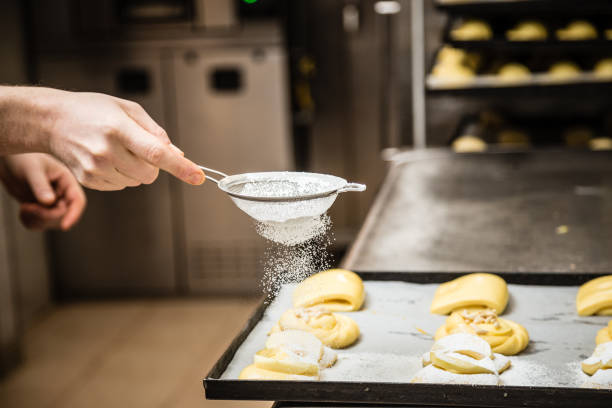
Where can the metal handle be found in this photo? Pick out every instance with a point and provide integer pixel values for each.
(206, 169)
(352, 187)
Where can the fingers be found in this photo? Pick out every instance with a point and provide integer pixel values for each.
(159, 154)
(74, 197)
(134, 167)
(140, 116)
(38, 217)
(40, 185)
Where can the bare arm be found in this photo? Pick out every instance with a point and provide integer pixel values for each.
(108, 143)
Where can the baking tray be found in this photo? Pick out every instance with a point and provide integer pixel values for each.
(396, 304)
(518, 7)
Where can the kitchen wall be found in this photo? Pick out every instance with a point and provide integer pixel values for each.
(24, 279)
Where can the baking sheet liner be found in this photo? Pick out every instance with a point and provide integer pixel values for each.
(391, 345)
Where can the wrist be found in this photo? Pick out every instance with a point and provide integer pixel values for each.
(26, 119)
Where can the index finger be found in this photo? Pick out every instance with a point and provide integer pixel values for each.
(149, 148)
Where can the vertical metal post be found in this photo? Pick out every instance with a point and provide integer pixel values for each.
(417, 17)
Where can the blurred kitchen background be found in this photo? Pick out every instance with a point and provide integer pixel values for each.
(148, 289)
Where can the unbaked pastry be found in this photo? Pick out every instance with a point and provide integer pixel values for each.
(577, 30)
(513, 72)
(603, 68)
(600, 143)
(333, 329)
(456, 74)
(599, 367)
(504, 336)
(289, 354)
(595, 297)
(563, 70)
(462, 359)
(530, 30)
(578, 136)
(604, 335)
(472, 30)
(469, 144)
(512, 138)
(338, 290)
(476, 290)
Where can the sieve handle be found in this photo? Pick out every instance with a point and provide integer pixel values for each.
(207, 170)
(352, 187)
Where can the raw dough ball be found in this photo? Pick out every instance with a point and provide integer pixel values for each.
(338, 290)
(476, 290)
(564, 70)
(333, 329)
(504, 336)
(530, 30)
(513, 72)
(472, 30)
(600, 143)
(469, 144)
(513, 138)
(577, 30)
(603, 69)
(604, 335)
(595, 297)
(578, 136)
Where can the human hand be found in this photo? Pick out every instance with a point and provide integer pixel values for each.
(49, 195)
(109, 143)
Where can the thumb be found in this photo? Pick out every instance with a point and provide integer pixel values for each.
(41, 187)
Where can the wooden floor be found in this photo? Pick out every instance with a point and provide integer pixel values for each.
(143, 353)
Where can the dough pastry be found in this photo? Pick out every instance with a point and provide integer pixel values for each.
(334, 330)
(289, 354)
(595, 297)
(453, 73)
(577, 30)
(608, 33)
(253, 372)
(464, 355)
(504, 336)
(578, 136)
(563, 70)
(604, 335)
(513, 72)
(603, 68)
(527, 31)
(512, 138)
(600, 143)
(600, 360)
(451, 56)
(338, 290)
(469, 144)
(476, 290)
(472, 30)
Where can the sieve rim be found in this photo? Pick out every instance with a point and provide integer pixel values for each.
(227, 182)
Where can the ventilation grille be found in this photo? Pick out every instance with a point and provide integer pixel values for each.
(225, 267)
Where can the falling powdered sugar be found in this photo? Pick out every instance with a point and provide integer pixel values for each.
(289, 259)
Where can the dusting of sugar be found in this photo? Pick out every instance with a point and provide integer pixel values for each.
(286, 262)
(294, 231)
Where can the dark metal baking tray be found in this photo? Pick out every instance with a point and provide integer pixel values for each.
(217, 387)
(519, 7)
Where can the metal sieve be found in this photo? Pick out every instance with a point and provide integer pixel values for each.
(284, 195)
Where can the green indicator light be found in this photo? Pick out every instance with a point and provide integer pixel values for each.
(250, 1)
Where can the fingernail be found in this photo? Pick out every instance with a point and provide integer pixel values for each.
(197, 178)
(48, 196)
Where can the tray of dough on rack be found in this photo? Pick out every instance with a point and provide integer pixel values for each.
(505, 340)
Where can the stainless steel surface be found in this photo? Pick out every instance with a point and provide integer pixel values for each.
(506, 212)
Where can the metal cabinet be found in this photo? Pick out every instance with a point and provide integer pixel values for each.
(124, 243)
(232, 115)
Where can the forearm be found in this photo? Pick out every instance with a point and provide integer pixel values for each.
(26, 119)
